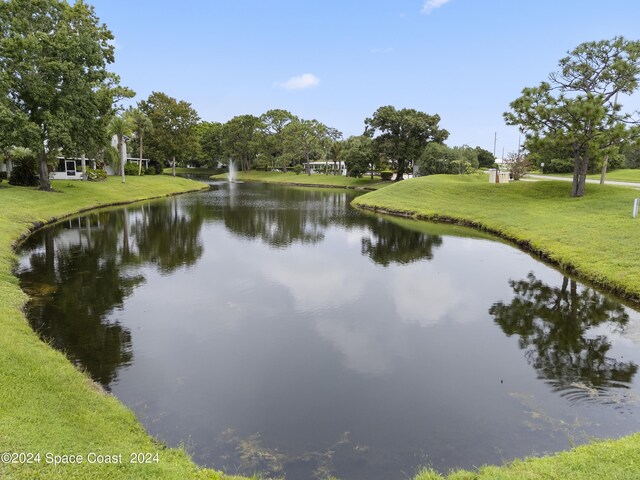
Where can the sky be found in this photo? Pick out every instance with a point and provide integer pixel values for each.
(337, 61)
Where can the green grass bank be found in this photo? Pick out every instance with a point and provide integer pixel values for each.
(593, 237)
(191, 171)
(622, 175)
(304, 180)
(46, 404)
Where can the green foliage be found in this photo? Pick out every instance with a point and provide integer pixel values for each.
(155, 168)
(210, 138)
(485, 158)
(242, 139)
(131, 168)
(297, 169)
(97, 175)
(25, 168)
(56, 89)
(358, 156)
(438, 158)
(174, 132)
(558, 165)
(401, 135)
(303, 141)
(386, 175)
(578, 109)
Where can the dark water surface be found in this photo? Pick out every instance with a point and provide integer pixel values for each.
(276, 329)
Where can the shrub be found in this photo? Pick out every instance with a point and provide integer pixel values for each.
(297, 169)
(3, 176)
(155, 168)
(96, 175)
(558, 165)
(25, 168)
(386, 175)
(131, 169)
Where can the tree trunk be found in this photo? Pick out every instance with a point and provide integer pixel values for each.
(123, 157)
(576, 175)
(173, 166)
(583, 175)
(9, 168)
(603, 173)
(308, 166)
(400, 172)
(83, 162)
(45, 184)
(140, 135)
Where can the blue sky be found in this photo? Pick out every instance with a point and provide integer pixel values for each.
(338, 61)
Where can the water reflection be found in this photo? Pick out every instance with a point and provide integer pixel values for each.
(78, 272)
(278, 330)
(387, 244)
(555, 328)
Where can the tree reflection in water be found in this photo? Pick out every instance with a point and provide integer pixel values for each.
(80, 271)
(553, 325)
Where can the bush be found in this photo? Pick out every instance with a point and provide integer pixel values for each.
(297, 169)
(558, 165)
(96, 175)
(155, 168)
(24, 172)
(131, 169)
(386, 175)
(3, 176)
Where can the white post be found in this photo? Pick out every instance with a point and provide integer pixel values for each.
(635, 207)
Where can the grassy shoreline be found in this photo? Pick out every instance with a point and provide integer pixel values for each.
(593, 237)
(46, 405)
(304, 180)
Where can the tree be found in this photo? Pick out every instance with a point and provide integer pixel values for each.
(303, 140)
(518, 164)
(120, 127)
(485, 158)
(403, 134)
(54, 78)
(358, 155)
(174, 127)
(242, 139)
(274, 122)
(578, 107)
(210, 138)
(438, 158)
(141, 125)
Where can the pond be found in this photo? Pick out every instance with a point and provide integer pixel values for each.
(276, 329)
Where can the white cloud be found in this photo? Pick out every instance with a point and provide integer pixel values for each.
(300, 82)
(433, 4)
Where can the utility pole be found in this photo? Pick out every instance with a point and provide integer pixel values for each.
(495, 139)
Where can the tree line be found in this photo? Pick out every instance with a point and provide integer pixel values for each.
(58, 98)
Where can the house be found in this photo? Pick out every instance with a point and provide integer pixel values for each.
(71, 168)
(329, 166)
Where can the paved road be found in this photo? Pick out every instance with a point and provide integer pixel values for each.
(531, 176)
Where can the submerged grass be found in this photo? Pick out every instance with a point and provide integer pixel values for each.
(303, 179)
(46, 405)
(593, 237)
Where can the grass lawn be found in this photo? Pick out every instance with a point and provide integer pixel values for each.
(593, 236)
(192, 171)
(622, 175)
(316, 179)
(46, 404)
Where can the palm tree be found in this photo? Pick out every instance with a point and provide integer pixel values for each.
(141, 124)
(120, 127)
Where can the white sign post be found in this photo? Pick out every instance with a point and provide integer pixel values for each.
(635, 207)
